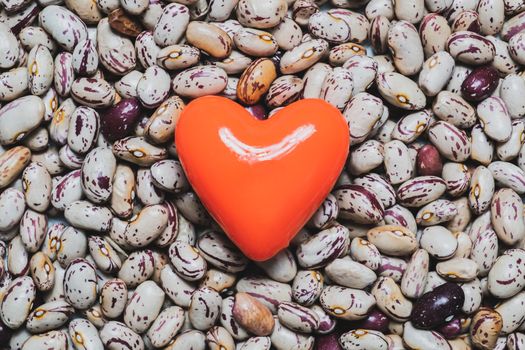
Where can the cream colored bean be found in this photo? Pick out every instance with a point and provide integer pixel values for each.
(337, 301)
(116, 52)
(348, 273)
(303, 56)
(40, 70)
(105, 257)
(85, 215)
(166, 326)
(209, 38)
(508, 175)
(393, 240)
(204, 308)
(143, 306)
(400, 91)
(511, 89)
(287, 34)
(451, 142)
(53, 339)
(12, 163)
(411, 11)
(405, 46)
(391, 300)
(113, 298)
(495, 119)
(415, 276)
(452, 108)
(254, 42)
(505, 278)
(398, 164)
(42, 271)
(314, 79)
(516, 49)
(12, 207)
(362, 113)
(13, 128)
(485, 251)
(421, 339)
(13, 84)
(9, 49)
(137, 150)
(507, 216)
(211, 80)
(32, 230)
(284, 90)
(49, 316)
(326, 246)
(420, 191)
(63, 25)
(359, 204)
(438, 242)
(470, 48)
(434, 31)
(457, 178)
(457, 269)
(339, 26)
(250, 13)
(116, 335)
(366, 157)
(436, 73)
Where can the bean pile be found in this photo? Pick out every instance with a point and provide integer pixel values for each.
(421, 244)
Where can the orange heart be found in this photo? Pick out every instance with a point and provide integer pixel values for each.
(261, 180)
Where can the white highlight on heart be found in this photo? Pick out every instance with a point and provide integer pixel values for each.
(253, 154)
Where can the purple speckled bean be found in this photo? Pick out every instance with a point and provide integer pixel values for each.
(63, 25)
(116, 335)
(391, 300)
(420, 191)
(434, 32)
(64, 73)
(467, 21)
(92, 92)
(513, 26)
(116, 52)
(358, 204)
(171, 25)
(33, 230)
(84, 126)
(85, 58)
(405, 46)
(153, 87)
(326, 246)
(470, 48)
(400, 216)
(509, 175)
(219, 251)
(451, 142)
(97, 173)
(346, 303)
(436, 212)
(452, 108)
(298, 318)
(517, 48)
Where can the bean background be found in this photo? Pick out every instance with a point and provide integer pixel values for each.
(420, 245)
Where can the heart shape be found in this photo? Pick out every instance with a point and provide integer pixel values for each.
(261, 180)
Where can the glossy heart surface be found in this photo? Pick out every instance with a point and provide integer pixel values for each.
(261, 180)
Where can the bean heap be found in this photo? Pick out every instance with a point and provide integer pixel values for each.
(420, 245)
